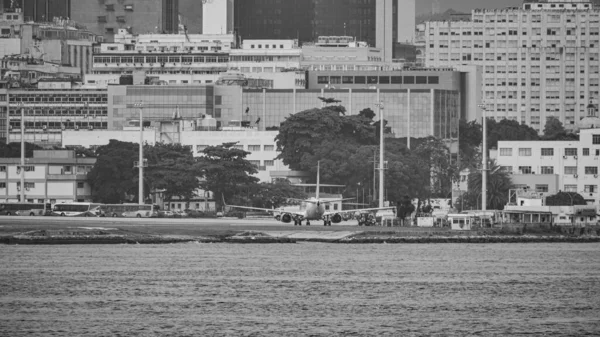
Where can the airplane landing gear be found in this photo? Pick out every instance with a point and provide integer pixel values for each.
(326, 223)
(307, 223)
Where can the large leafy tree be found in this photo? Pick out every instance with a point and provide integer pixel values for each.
(508, 130)
(113, 177)
(227, 173)
(172, 168)
(436, 161)
(13, 150)
(554, 130)
(565, 199)
(275, 194)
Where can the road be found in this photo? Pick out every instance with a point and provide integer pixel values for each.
(194, 226)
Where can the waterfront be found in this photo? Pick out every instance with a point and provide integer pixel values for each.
(302, 289)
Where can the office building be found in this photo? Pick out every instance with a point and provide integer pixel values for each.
(42, 10)
(539, 61)
(51, 176)
(379, 23)
(138, 16)
(217, 17)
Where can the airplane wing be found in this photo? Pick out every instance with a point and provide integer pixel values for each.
(270, 210)
(362, 210)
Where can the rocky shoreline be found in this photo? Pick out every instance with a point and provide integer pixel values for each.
(96, 236)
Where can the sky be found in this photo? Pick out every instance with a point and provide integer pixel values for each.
(424, 6)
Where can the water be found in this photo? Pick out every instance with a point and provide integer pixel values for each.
(300, 289)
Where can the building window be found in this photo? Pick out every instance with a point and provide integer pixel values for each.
(253, 147)
(570, 169)
(269, 163)
(595, 139)
(591, 170)
(547, 152)
(80, 185)
(2, 168)
(586, 151)
(525, 169)
(360, 79)
(524, 152)
(541, 188)
(590, 188)
(547, 169)
(323, 79)
(570, 188)
(433, 79)
(29, 185)
(506, 151)
(269, 148)
(2, 185)
(570, 151)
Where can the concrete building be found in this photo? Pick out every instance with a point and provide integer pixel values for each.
(379, 23)
(140, 16)
(217, 17)
(574, 163)
(540, 60)
(44, 10)
(50, 176)
(52, 107)
(170, 59)
(342, 53)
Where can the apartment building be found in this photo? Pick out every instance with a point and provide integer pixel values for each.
(50, 176)
(539, 60)
(574, 164)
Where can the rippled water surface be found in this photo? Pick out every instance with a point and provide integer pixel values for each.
(300, 289)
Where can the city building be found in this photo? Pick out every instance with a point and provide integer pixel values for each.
(42, 10)
(573, 163)
(379, 23)
(217, 17)
(54, 105)
(341, 53)
(168, 58)
(139, 16)
(539, 61)
(51, 176)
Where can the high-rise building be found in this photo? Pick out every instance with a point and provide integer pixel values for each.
(379, 23)
(217, 17)
(41, 10)
(138, 16)
(539, 61)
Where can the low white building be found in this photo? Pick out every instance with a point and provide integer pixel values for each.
(576, 163)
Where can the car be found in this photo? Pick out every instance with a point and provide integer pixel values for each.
(180, 214)
(194, 213)
(167, 214)
(219, 214)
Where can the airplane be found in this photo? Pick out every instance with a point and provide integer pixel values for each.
(315, 210)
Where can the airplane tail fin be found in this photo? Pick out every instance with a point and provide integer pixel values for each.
(318, 179)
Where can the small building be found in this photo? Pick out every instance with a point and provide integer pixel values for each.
(461, 221)
(50, 176)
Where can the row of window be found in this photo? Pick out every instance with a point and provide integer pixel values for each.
(543, 188)
(250, 148)
(62, 112)
(378, 79)
(160, 59)
(568, 170)
(548, 152)
(67, 169)
(59, 98)
(31, 185)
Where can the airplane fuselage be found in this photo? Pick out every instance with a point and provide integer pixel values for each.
(314, 211)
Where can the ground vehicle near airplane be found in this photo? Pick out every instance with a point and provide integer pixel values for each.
(315, 210)
(129, 210)
(86, 209)
(25, 208)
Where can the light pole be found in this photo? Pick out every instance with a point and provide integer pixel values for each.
(484, 158)
(140, 106)
(20, 105)
(380, 106)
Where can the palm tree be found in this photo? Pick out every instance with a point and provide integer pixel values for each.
(498, 185)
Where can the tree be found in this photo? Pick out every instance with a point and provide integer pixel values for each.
(565, 199)
(367, 113)
(508, 130)
(469, 143)
(553, 127)
(13, 150)
(172, 168)
(498, 186)
(226, 171)
(275, 194)
(112, 177)
(435, 160)
(405, 207)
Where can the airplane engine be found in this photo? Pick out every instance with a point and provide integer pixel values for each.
(336, 218)
(287, 218)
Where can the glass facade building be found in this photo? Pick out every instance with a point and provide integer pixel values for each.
(414, 113)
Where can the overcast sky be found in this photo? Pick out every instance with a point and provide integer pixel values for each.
(424, 6)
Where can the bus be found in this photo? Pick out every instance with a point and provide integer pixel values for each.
(86, 209)
(129, 210)
(25, 208)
